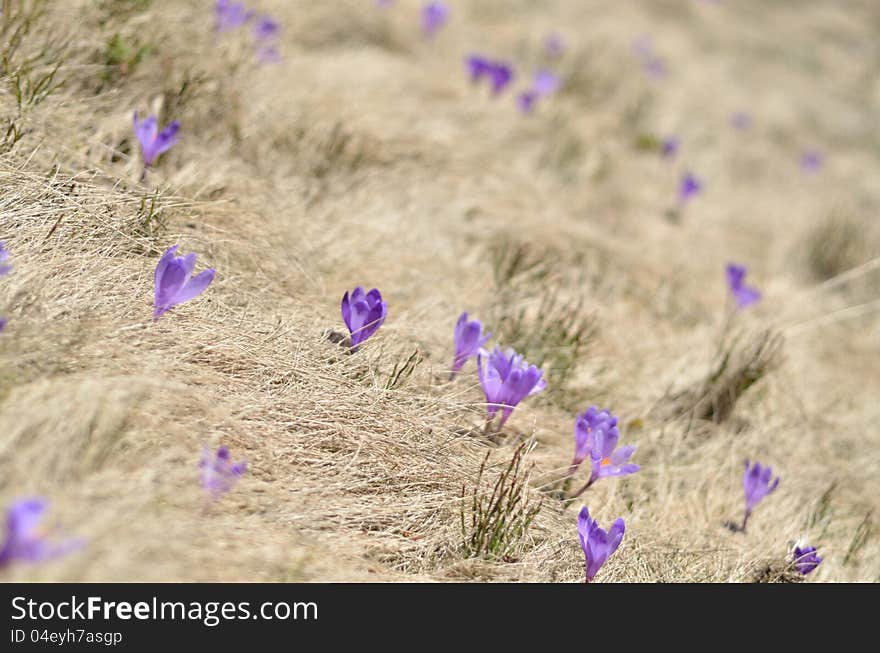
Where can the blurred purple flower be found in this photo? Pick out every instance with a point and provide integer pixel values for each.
(743, 294)
(153, 142)
(384, 3)
(478, 67)
(434, 17)
(598, 545)
(174, 281)
(812, 161)
(469, 339)
(545, 83)
(5, 268)
(268, 54)
(757, 484)
(669, 147)
(654, 68)
(507, 379)
(219, 474)
(230, 15)
(499, 73)
(3, 322)
(806, 559)
(689, 188)
(595, 436)
(554, 45)
(364, 313)
(653, 65)
(266, 28)
(25, 539)
(741, 120)
(526, 101)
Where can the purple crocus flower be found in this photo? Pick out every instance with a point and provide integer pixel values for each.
(545, 83)
(230, 15)
(498, 73)
(478, 67)
(757, 484)
(806, 559)
(219, 473)
(268, 54)
(741, 120)
(5, 268)
(653, 65)
(469, 339)
(812, 161)
(507, 379)
(598, 545)
(689, 188)
(3, 322)
(554, 45)
(595, 436)
(669, 147)
(526, 101)
(25, 540)
(434, 17)
(364, 313)
(153, 142)
(500, 76)
(743, 294)
(266, 28)
(175, 283)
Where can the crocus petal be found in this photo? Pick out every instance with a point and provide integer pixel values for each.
(167, 138)
(346, 310)
(173, 278)
(195, 286)
(746, 296)
(622, 455)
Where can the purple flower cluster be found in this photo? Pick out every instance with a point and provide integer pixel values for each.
(25, 540)
(434, 17)
(595, 437)
(230, 16)
(743, 295)
(507, 379)
(545, 83)
(499, 74)
(219, 474)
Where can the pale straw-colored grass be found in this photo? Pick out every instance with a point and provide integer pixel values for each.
(367, 158)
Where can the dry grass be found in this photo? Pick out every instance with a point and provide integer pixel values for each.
(366, 158)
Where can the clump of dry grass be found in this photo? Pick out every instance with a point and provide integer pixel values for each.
(839, 243)
(498, 522)
(740, 363)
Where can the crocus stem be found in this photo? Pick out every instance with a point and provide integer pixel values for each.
(745, 521)
(584, 488)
